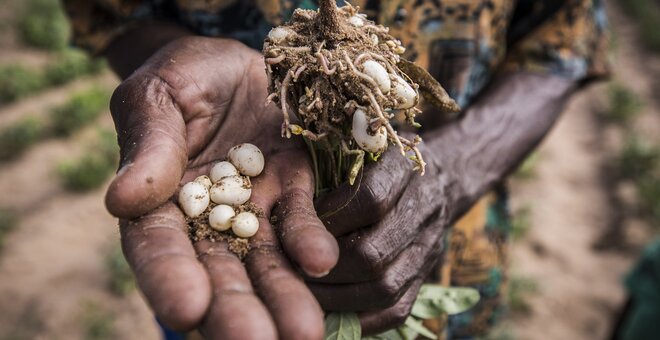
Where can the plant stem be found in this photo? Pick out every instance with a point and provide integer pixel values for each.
(329, 20)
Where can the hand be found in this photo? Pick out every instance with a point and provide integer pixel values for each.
(175, 116)
(390, 226)
(386, 254)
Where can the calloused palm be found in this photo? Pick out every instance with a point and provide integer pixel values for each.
(175, 116)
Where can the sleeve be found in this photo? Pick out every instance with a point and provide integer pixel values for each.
(95, 23)
(573, 42)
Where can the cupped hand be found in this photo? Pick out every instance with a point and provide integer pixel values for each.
(175, 116)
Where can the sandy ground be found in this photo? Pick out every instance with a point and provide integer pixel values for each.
(580, 288)
(52, 265)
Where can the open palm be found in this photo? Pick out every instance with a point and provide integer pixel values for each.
(175, 117)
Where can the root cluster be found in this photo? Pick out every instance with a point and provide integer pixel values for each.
(325, 65)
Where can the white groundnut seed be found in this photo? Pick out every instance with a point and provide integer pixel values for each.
(356, 21)
(374, 39)
(193, 198)
(247, 158)
(376, 71)
(204, 180)
(220, 217)
(245, 224)
(279, 34)
(371, 143)
(403, 92)
(232, 190)
(222, 169)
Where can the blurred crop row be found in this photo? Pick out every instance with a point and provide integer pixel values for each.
(40, 28)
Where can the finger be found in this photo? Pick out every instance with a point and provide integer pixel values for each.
(392, 317)
(304, 237)
(151, 135)
(235, 312)
(365, 254)
(166, 268)
(350, 207)
(413, 263)
(292, 306)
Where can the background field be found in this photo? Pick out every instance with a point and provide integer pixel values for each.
(584, 204)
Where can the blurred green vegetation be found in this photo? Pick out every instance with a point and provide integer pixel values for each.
(646, 14)
(521, 222)
(70, 64)
(17, 81)
(8, 221)
(638, 159)
(527, 169)
(18, 137)
(97, 322)
(81, 109)
(121, 276)
(94, 167)
(648, 189)
(624, 104)
(43, 24)
(520, 290)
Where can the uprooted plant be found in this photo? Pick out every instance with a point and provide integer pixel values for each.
(345, 81)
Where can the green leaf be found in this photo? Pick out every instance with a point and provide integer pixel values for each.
(342, 326)
(450, 300)
(392, 334)
(418, 327)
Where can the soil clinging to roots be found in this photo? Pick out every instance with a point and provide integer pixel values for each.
(333, 69)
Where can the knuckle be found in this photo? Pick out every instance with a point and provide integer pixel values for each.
(372, 258)
(391, 288)
(374, 198)
(399, 314)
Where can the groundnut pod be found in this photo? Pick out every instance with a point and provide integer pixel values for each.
(279, 34)
(193, 199)
(356, 21)
(379, 74)
(405, 95)
(245, 224)
(220, 217)
(204, 180)
(360, 130)
(247, 158)
(221, 170)
(232, 190)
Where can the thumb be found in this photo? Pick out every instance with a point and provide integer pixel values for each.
(151, 134)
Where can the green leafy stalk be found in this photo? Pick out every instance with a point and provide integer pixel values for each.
(432, 301)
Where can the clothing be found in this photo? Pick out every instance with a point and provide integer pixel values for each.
(643, 286)
(462, 43)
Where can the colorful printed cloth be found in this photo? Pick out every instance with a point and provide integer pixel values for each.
(462, 43)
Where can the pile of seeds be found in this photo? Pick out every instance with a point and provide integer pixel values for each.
(217, 206)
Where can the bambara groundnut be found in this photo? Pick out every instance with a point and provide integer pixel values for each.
(376, 71)
(193, 198)
(204, 180)
(247, 158)
(245, 224)
(360, 130)
(232, 190)
(403, 92)
(220, 217)
(222, 169)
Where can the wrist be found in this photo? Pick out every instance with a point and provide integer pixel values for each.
(495, 134)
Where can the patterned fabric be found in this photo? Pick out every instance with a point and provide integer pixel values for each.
(462, 43)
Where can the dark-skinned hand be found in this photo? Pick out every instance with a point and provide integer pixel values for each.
(390, 226)
(176, 115)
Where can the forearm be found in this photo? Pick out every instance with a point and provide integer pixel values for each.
(130, 50)
(496, 133)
